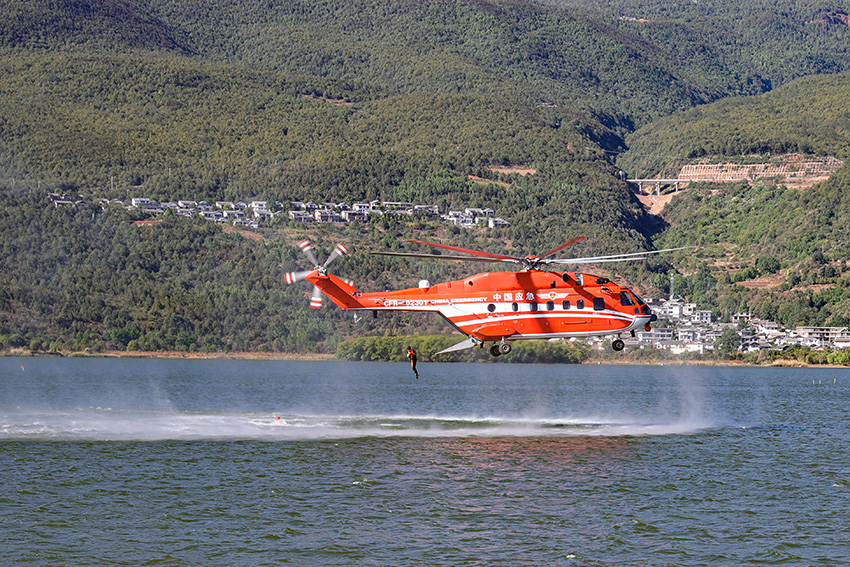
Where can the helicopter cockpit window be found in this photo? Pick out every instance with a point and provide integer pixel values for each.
(638, 298)
(625, 299)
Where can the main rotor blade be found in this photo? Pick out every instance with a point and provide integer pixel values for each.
(562, 246)
(614, 257)
(465, 250)
(446, 257)
(592, 260)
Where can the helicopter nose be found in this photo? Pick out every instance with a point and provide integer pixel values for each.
(652, 318)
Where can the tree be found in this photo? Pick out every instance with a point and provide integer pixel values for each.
(728, 343)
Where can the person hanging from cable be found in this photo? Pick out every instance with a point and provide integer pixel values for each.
(411, 355)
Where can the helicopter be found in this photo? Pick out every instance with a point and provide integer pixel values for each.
(501, 307)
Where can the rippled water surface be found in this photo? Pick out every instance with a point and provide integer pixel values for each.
(173, 462)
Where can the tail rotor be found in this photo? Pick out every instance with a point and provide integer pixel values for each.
(292, 277)
(307, 247)
(340, 250)
(316, 298)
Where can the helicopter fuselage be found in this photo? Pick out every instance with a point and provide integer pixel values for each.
(509, 306)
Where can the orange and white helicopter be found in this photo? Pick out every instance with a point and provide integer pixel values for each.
(501, 307)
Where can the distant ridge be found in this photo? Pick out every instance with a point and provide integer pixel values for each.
(87, 24)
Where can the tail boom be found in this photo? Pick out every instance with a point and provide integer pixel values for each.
(336, 289)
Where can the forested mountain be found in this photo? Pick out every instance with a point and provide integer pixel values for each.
(570, 56)
(179, 126)
(741, 225)
(808, 116)
(386, 99)
(778, 252)
(757, 40)
(87, 25)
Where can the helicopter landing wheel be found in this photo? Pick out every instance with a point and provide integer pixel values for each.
(494, 350)
(618, 345)
(504, 348)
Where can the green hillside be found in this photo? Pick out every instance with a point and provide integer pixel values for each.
(537, 53)
(758, 40)
(89, 25)
(124, 125)
(809, 116)
(741, 226)
(778, 252)
(397, 100)
(171, 128)
(523, 49)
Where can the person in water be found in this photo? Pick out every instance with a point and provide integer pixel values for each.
(411, 355)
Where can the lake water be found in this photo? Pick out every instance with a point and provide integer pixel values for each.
(178, 462)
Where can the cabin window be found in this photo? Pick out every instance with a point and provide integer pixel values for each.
(566, 305)
(598, 304)
(625, 299)
(533, 306)
(644, 308)
(550, 306)
(491, 307)
(580, 304)
(515, 306)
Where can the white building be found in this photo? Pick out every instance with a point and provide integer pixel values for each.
(352, 216)
(263, 214)
(701, 317)
(301, 216)
(822, 336)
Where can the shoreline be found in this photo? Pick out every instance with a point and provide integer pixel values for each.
(25, 353)
(320, 357)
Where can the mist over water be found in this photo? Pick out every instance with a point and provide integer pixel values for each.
(106, 424)
(157, 400)
(329, 463)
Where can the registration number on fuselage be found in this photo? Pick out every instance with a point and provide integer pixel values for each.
(426, 302)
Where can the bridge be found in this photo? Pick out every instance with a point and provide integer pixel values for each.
(792, 168)
(656, 184)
